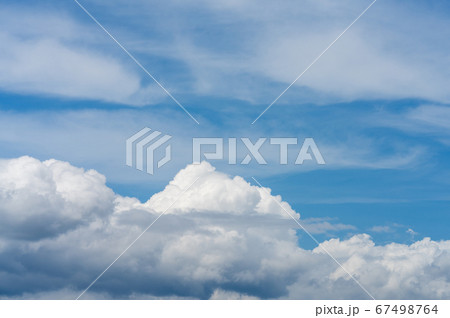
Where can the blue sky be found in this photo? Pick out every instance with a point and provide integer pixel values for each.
(376, 104)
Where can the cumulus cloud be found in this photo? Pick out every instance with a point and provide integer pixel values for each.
(217, 192)
(223, 239)
(395, 270)
(44, 199)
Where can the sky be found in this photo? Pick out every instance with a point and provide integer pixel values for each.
(376, 104)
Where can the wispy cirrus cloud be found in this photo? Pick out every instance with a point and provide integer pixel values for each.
(428, 120)
(53, 54)
(393, 52)
(262, 47)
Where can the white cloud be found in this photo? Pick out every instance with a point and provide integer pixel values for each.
(432, 116)
(217, 192)
(54, 55)
(325, 225)
(44, 199)
(356, 67)
(223, 294)
(394, 270)
(392, 52)
(424, 120)
(381, 229)
(232, 243)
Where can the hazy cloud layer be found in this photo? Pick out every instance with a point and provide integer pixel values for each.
(250, 50)
(396, 50)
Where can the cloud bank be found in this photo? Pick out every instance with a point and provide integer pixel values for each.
(224, 238)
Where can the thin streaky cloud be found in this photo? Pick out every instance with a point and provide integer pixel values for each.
(137, 62)
(313, 62)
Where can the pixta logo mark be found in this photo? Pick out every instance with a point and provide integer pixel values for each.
(140, 150)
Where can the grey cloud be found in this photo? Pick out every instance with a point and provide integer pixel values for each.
(196, 250)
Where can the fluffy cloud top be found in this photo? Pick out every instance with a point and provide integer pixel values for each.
(61, 227)
(44, 199)
(217, 192)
